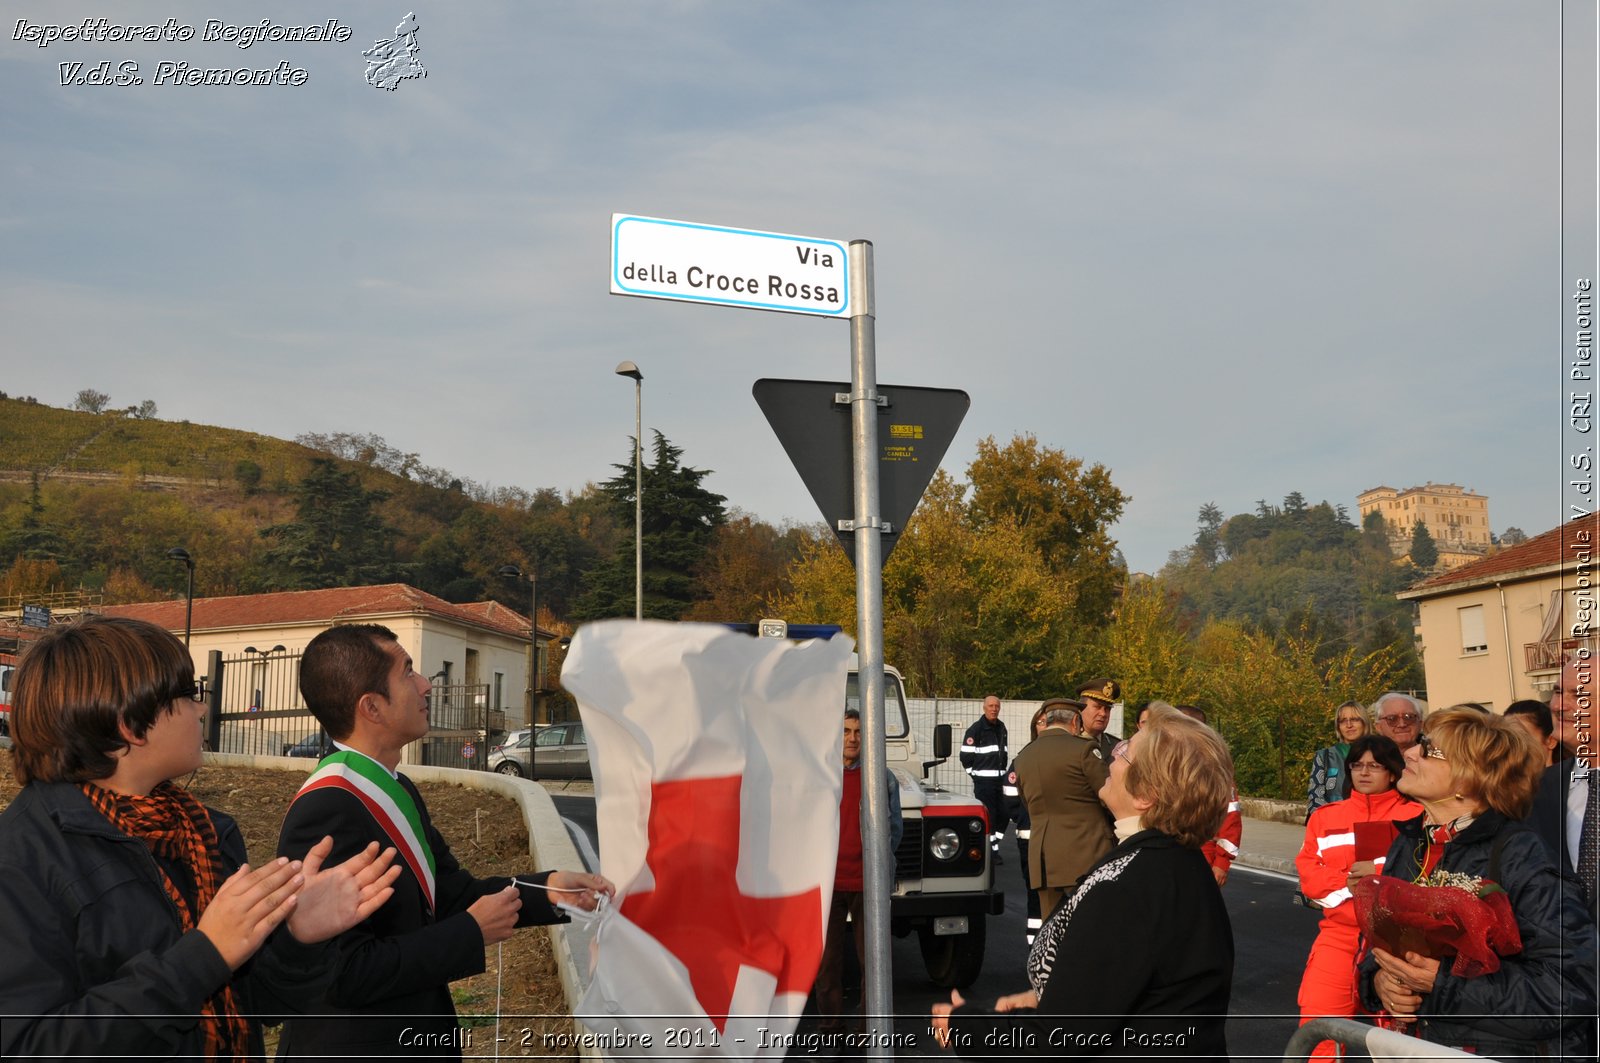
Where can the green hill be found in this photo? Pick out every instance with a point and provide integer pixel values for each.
(96, 500)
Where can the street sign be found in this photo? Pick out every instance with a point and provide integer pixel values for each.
(915, 426)
(655, 258)
(36, 615)
(469, 751)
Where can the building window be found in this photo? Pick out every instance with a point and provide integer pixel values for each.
(499, 691)
(1473, 638)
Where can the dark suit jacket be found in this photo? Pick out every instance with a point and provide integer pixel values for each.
(1549, 818)
(395, 969)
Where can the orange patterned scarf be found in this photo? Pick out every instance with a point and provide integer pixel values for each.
(176, 828)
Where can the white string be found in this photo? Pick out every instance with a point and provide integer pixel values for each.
(600, 900)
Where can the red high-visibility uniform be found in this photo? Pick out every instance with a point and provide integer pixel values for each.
(1324, 861)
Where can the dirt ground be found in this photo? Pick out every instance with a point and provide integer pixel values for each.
(487, 835)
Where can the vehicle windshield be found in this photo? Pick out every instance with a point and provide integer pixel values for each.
(894, 703)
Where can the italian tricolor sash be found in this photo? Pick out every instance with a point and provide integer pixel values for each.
(386, 801)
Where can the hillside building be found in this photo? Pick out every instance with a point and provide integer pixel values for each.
(1456, 518)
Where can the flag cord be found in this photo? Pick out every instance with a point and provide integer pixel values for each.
(500, 948)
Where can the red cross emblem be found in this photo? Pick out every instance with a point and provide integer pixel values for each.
(698, 913)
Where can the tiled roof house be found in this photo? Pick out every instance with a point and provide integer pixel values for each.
(1495, 631)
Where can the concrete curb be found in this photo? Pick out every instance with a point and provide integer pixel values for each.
(549, 846)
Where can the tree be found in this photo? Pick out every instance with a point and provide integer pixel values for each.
(91, 401)
(1513, 536)
(33, 538)
(145, 411)
(337, 539)
(1063, 508)
(680, 518)
(1424, 554)
(1208, 539)
(1146, 647)
(248, 475)
(964, 610)
(745, 570)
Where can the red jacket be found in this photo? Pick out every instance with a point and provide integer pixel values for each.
(1324, 861)
(1222, 850)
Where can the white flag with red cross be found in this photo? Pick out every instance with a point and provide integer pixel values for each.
(716, 761)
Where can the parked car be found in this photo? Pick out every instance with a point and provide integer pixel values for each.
(550, 751)
(314, 746)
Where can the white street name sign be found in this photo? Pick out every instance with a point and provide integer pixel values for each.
(655, 258)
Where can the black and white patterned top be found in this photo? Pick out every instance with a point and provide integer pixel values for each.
(1042, 958)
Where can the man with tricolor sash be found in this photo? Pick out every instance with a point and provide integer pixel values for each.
(392, 991)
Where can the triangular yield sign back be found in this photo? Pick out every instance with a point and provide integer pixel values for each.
(915, 427)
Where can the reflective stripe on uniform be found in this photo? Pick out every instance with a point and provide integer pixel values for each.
(1024, 833)
(980, 749)
(1328, 841)
(984, 773)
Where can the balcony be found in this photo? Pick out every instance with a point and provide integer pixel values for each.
(1546, 656)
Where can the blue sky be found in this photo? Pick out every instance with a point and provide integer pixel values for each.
(1230, 249)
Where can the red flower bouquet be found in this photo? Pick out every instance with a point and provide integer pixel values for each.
(1447, 914)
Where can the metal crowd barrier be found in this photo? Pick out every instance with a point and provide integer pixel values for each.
(1364, 1042)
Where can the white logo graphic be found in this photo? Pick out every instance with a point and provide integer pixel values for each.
(391, 62)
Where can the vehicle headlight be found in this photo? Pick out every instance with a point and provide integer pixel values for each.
(975, 826)
(944, 844)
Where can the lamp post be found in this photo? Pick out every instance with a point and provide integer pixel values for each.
(258, 701)
(629, 369)
(178, 553)
(513, 572)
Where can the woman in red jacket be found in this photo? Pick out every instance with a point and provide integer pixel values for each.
(1345, 842)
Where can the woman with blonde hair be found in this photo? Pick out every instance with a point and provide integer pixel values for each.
(1151, 903)
(1329, 780)
(1475, 776)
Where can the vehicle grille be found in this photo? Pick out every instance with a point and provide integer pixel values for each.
(908, 858)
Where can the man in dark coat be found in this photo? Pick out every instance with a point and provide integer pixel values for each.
(391, 995)
(983, 754)
(1564, 813)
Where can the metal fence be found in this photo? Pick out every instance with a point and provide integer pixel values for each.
(255, 707)
(926, 713)
(255, 703)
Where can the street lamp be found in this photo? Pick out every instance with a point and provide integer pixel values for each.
(629, 369)
(178, 553)
(513, 572)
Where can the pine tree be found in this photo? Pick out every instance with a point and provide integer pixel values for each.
(1424, 554)
(338, 539)
(680, 519)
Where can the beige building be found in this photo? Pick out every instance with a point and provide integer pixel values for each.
(1494, 631)
(248, 647)
(1457, 518)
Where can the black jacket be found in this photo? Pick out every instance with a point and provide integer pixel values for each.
(95, 962)
(1549, 819)
(983, 751)
(392, 992)
(1153, 908)
(1541, 1000)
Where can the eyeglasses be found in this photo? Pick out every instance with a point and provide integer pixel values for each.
(190, 693)
(1406, 718)
(1366, 766)
(1121, 750)
(1429, 749)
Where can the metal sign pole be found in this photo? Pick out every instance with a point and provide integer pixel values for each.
(878, 1003)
